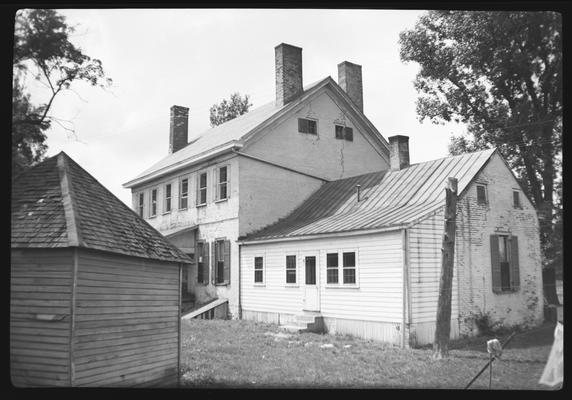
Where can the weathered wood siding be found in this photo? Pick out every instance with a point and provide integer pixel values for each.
(40, 286)
(377, 297)
(127, 321)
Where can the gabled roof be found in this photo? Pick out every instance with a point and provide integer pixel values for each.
(235, 133)
(58, 204)
(387, 199)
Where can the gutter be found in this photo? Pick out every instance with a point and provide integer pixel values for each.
(323, 235)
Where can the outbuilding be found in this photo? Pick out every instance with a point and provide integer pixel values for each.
(95, 290)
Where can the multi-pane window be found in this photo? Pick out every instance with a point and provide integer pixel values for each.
(290, 269)
(332, 268)
(481, 194)
(258, 270)
(222, 183)
(221, 262)
(184, 194)
(504, 262)
(344, 132)
(141, 203)
(202, 189)
(516, 199)
(202, 262)
(307, 126)
(153, 211)
(167, 198)
(349, 260)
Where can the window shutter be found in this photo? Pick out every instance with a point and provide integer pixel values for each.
(495, 264)
(215, 184)
(227, 261)
(198, 185)
(206, 263)
(228, 181)
(213, 269)
(514, 267)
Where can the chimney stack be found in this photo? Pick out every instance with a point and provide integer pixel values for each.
(398, 152)
(288, 73)
(179, 131)
(349, 79)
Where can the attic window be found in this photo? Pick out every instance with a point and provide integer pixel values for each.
(141, 203)
(344, 133)
(167, 207)
(153, 203)
(516, 199)
(481, 194)
(307, 126)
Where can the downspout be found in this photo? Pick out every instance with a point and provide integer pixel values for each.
(239, 291)
(406, 312)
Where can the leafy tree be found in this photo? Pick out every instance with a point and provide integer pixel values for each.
(229, 109)
(42, 50)
(501, 74)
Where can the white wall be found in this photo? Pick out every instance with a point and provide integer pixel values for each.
(378, 296)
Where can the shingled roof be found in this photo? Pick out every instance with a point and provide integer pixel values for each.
(388, 199)
(58, 204)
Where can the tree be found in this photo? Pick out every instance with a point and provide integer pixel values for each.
(501, 74)
(229, 109)
(42, 50)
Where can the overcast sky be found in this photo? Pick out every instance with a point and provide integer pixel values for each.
(195, 58)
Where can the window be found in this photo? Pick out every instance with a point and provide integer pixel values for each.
(202, 189)
(516, 199)
(290, 269)
(202, 250)
(184, 194)
(221, 262)
(504, 263)
(307, 126)
(222, 183)
(167, 207)
(258, 270)
(332, 268)
(153, 203)
(141, 203)
(349, 267)
(344, 132)
(481, 194)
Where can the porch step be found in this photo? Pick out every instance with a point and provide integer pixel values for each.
(306, 322)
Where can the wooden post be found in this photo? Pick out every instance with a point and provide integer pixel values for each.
(443, 325)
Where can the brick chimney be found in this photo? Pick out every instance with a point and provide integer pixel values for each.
(398, 152)
(288, 73)
(179, 131)
(349, 79)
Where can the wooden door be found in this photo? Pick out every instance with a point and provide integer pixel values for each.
(311, 283)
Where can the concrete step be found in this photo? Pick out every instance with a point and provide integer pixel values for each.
(294, 328)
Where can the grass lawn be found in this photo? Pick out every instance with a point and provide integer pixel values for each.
(237, 353)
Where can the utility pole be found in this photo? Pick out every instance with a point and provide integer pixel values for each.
(443, 328)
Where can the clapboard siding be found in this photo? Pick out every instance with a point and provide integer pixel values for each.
(40, 283)
(425, 242)
(378, 297)
(127, 312)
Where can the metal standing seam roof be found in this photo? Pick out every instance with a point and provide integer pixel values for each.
(58, 204)
(387, 199)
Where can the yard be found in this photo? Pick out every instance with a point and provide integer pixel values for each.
(237, 353)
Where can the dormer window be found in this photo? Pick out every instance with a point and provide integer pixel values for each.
(307, 126)
(153, 203)
(344, 133)
(481, 194)
(167, 206)
(141, 204)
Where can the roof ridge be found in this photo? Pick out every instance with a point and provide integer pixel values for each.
(68, 201)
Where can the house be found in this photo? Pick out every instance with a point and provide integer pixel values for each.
(362, 255)
(251, 171)
(94, 289)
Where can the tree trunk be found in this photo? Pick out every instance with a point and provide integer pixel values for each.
(443, 324)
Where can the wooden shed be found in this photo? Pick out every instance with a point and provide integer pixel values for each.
(95, 290)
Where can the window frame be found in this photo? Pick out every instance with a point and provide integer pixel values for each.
(262, 270)
(200, 259)
(486, 200)
(510, 260)
(168, 200)
(341, 284)
(217, 244)
(517, 205)
(186, 197)
(218, 183)
(296, 283)
(153, 203)
(344, 132)
(141, 204)
(336, 268)
(200, 188)
(308, 132)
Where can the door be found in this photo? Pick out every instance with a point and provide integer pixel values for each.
(311, 283)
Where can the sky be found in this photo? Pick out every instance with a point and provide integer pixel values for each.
(197, 57)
